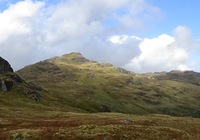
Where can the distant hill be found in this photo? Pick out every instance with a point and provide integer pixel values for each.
(181, 76)
(72, 82)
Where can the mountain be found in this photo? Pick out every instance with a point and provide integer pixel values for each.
(73, 83)
(69, 97)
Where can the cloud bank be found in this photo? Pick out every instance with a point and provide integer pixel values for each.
(102, 30)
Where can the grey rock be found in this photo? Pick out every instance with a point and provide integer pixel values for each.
(3, 86)
(127, 121)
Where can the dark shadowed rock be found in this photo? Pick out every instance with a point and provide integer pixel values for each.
(9, 84)
(4, 66)
(103, 108)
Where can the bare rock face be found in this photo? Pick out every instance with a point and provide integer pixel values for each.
(5, 66)
(5, 82)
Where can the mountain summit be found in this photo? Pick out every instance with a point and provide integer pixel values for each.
(73, 57)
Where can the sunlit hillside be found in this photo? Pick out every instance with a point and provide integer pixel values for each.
(74, 81)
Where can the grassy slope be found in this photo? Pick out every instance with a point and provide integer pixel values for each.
(73, 81)
(25, 119)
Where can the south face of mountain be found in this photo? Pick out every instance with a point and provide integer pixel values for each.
(73, 82)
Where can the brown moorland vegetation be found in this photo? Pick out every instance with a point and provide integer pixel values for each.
(109, 126)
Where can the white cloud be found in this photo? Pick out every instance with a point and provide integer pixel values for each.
(18, 41)
(117, 50)
(165, 52)
(15, 20)
(32, 30)
(121, 39)
(184, 38)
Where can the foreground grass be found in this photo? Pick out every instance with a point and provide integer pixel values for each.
(66, 125)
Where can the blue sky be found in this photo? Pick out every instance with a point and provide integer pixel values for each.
(138, 35)
(177, 12)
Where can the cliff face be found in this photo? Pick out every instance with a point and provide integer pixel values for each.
(5, 66)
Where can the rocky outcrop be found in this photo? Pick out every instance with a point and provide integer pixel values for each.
(9, 79)
(6, 82)
(5, 66)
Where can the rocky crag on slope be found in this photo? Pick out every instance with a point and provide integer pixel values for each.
(10, 80)
(6, 83)
(5, 66)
